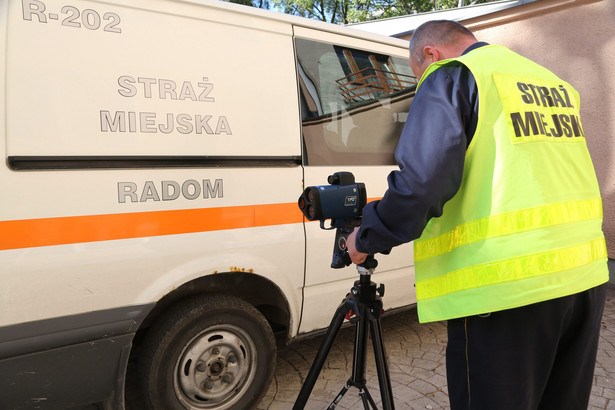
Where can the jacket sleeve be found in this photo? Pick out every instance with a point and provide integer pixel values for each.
(430, 155)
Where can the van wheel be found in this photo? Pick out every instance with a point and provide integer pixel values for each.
(214, 352)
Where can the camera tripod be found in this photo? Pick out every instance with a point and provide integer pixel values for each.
(364, 301)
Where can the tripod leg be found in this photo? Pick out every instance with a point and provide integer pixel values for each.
(339, 396)
(367, 398)
(359, 363)
(321, 356)
(384, 380)
(360, 348)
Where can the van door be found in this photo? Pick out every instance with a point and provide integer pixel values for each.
(355, 97)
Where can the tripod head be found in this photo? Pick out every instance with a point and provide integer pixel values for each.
(368, 266)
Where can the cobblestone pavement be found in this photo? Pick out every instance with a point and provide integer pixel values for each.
(415, 354)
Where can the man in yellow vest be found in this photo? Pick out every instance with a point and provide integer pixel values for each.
(498, 191)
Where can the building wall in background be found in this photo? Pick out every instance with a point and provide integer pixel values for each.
(576, 40)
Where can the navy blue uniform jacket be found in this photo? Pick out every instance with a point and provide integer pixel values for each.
(430, 155)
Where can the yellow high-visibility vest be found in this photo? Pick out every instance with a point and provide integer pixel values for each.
(526, 223)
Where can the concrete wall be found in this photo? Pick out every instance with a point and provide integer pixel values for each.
(576, 40)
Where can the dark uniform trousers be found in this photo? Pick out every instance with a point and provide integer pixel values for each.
(540, 356)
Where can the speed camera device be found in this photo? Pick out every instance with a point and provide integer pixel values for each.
(341, 202)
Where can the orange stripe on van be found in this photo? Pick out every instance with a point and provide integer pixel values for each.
(30, 233)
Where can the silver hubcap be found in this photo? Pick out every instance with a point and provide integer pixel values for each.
(215, 368)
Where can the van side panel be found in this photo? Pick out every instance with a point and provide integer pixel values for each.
(147, 144)
(147, 78)
(157, 79)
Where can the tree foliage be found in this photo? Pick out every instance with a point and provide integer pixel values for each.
(353, 11)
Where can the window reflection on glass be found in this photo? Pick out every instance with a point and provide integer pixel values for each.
(354, 104)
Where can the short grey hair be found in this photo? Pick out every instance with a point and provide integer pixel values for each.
(436, 33)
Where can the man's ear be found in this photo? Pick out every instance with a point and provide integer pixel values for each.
(431, 54)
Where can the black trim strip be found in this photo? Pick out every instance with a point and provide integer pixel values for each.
(70, 377)
(26, 163)
(40, 335)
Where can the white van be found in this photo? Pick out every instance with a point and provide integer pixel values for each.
(154, 152)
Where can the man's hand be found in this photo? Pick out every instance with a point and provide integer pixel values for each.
(356, 256)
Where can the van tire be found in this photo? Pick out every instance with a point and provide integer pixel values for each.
(208, 352)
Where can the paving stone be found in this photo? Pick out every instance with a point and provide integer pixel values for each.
(608, 394)
(599, 402)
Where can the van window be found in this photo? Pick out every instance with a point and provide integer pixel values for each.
(354, 103)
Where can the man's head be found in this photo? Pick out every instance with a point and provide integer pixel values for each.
(437, 40)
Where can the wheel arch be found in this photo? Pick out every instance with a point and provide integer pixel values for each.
(258, 291)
